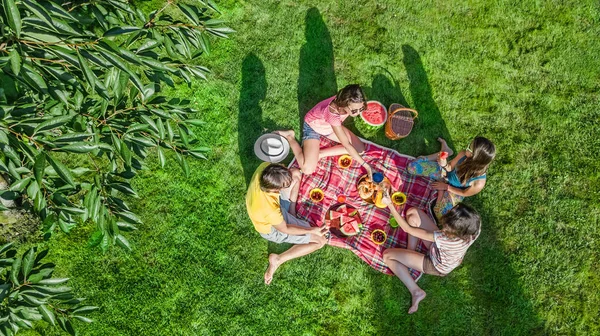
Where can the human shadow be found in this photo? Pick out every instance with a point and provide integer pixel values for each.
(250, 123)
(316, 79)
(493, 297)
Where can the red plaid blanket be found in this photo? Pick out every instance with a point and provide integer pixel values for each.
(335, 181)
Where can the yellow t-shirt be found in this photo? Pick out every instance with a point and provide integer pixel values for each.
(263, 207)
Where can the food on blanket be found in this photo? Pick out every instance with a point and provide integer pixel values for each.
(343, 219)
(316, 195)
(366, 188)
(393, 222)
(378, 236)
(375, 114)
(379, 200)
(345, 161)
(341, 199)
(398, 198)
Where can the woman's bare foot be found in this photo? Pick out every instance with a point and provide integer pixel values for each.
(445, 147)
(273, 265)
(417, 296)
(286, 134)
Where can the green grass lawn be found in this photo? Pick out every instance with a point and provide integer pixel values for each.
(525, 74)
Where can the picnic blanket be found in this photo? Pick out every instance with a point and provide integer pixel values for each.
(335, 181)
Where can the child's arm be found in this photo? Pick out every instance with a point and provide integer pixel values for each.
(413, 231)
(341, 135)
(474, 189)
(296, 178)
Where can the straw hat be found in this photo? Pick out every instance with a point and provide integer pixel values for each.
(271, 147)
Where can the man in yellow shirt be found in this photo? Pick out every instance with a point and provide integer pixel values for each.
(271, 204)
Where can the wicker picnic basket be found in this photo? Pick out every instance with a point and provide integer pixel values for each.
(400, 121)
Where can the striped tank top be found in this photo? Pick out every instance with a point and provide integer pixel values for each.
(447, 253)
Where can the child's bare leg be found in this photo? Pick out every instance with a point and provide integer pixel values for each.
(340, 150)
(418, 218)
(445, 148)
(399, 260)
(308, 156)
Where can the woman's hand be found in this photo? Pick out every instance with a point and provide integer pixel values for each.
(320, 231)
(386, 199)
(442, 162)
(440, 186)
(369, 170)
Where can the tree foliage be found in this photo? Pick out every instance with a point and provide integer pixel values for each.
(81, 104)
(28, 293)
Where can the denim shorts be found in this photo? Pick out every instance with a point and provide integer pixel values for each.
(309, 133)
(279, 237)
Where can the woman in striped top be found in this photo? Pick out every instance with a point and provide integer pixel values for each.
(447, 247)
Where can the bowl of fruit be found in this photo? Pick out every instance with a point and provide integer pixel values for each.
(398, 198)
(316, 195)
(343, 220)
(378, 236)
(345, 161)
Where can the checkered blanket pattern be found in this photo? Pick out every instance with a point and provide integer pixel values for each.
(335, 181)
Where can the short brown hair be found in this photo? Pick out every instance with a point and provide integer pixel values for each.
(275, 177)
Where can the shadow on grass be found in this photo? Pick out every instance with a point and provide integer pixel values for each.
(497, 304)
(250, 124)
(316, 80)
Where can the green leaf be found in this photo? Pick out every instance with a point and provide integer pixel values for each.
(4, 290)
(189, 13)
(124, 226)
(47, 314)
(87, 72)
(14, 271)
(20, 185)
(5, 247)
(3, 137)
(170, 131)
(195, 122)
(28, 260)
(39, 166)
(53, 123)
(150, 122)
(161, 128)
(123, 242)
(66, 325)
(13, 16)
(62, 171)
(53, 281)
(33, 78)
(71, 137)
(15, 61)
(72, 210)
(123, 187)
(129, 217)
(33, 189)
(80, 147)
(120, 31)
(40, 12)
(161, 157)
(83, 319)
(125, 153)
(95, 239)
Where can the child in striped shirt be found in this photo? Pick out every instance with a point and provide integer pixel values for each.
(447, 247)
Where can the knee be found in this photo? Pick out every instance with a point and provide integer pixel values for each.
(412, 217)
(387, 256)
(309, 168)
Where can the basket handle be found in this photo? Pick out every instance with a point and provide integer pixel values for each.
(414, 112)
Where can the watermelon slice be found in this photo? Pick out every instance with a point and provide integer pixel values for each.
(335, 214)
(375, 114)
(348, 229)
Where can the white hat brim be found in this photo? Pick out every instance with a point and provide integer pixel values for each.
(270, 158)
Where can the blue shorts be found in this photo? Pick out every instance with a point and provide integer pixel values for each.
(309, 133)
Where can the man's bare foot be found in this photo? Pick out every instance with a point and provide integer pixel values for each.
(445, 147)
(286, 134)
(273, 265)
(417, 297)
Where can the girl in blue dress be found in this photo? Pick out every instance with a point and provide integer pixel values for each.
(462, 177)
